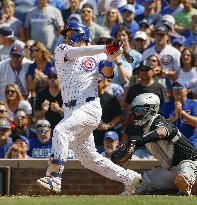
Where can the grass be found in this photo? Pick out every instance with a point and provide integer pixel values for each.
(99, 200)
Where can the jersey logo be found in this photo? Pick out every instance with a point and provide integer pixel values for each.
(166, 59)
(63, 46)
(89, 64)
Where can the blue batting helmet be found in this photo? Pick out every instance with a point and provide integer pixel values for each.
(83, 33)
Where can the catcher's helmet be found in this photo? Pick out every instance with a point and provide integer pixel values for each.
(82, 34)
(144, 107)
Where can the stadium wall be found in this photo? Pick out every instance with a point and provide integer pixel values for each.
(76, 179)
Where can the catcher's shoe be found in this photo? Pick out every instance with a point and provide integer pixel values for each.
(183, 184)
(50, 183)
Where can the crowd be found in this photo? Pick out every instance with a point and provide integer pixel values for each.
(159, 56)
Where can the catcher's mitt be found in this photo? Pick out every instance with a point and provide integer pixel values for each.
(113, 47)
(123, 153)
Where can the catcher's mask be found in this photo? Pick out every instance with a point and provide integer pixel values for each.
(143, 108)
(82, 34)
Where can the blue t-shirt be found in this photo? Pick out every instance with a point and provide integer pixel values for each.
(4, 148)
(38, 150)
(167, 110)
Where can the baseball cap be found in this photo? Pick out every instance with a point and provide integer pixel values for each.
(52, 71)
(145, 65)
(74, 17)
(23, 138)
(169, 18)
(161, 29)
(111, 134)
(128, 7)
(144, 23)
(167, 24)
(178, 41)
(17, 50)
(4, 123)
(7, 32)
(43, 123)
(194, 13)
(140, 34)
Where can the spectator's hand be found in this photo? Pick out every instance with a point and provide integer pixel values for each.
(178, 108)
(41, 78)
(45, 105)
(55, 107)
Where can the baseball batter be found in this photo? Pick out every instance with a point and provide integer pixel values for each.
(78, 66)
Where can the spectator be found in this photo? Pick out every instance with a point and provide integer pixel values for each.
(88, 17)
(172, 8)
(40, 147)
(43, 20)
(146, 84)
(141, 41)
(123, 69)
(74, 17)
(150, 13)
(178, 44)
(138, 8)
(3, 111)
(8, 41)
(15, 100)
(22, 7)
(168, 55)
(8, 20)
(182, 111)
(188, 70)
(111, 115)
(74, 8)
(37, 72)
(5, 140)
(22, 140)
(112, 17)
(110, 142)
(145, 26)
(49, 101)
(183, 18)
(27, 47)
(128, 13)
(22, 124)
(17, 151)
(14, 70)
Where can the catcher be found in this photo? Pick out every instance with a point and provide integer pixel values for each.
(177, 156)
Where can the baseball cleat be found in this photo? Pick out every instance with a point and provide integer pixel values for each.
(50, 184)
(184, 186)
(136, 181)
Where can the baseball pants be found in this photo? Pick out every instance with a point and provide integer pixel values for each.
(75, 132)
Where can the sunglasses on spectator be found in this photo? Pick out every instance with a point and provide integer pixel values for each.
(4, 129)
(34, 50)
(177, 88)
(19, 117)
(153, 60)
(52, 76)
(42, 132)
(10, 91)
(86, 11)
(2, 111)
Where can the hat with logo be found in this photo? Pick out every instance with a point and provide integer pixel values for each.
(17, 50)
(4, 123)
(112, 135)
(43, 123)
(129, 7)
(7, 32)
(140, 34)
(161, 29)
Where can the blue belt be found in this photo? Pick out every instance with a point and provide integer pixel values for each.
(73, 103)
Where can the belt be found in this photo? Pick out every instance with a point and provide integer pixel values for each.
(73, 103)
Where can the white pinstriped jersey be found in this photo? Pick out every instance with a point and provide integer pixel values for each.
(78, 72)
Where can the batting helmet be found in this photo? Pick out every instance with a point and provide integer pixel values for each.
(83, 33)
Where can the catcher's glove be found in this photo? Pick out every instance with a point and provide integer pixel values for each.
(113, 47)
(123, 153)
